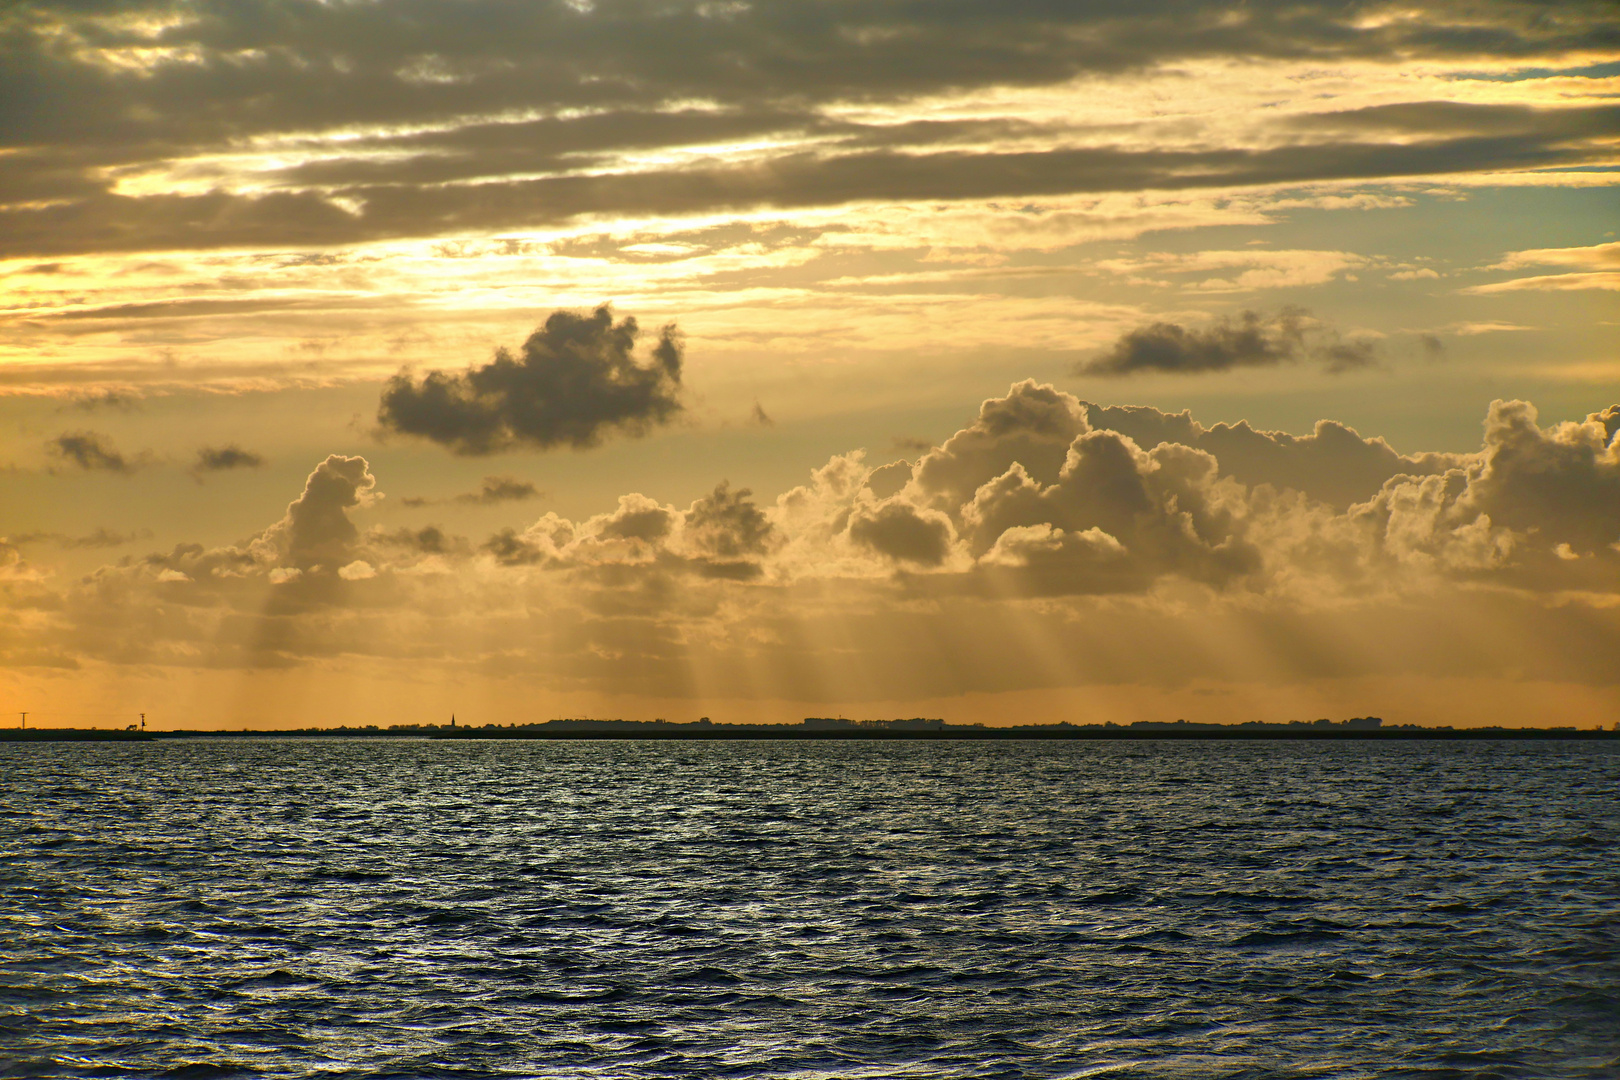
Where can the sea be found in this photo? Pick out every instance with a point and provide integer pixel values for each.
(382, 907)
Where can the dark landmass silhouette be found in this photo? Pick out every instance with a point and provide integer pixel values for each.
(822, 728)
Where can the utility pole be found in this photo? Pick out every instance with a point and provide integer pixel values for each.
(25, 720)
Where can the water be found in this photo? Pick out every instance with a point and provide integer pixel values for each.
(889, 909)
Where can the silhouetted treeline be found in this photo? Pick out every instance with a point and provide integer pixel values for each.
(816, 728)
(812, 728)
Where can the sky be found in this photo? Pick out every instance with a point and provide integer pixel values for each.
(365, 361)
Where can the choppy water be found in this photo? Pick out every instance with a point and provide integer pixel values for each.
(394, 908)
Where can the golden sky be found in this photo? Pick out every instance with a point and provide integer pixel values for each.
(1006, 362)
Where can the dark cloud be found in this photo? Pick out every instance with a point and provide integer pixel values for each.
(510, 548)
(1456, 117)
(433, 95)
(229, 456)
(727, 524)
(491, 490)
(429, 540)
(1250, 340)
(903, 532)
(499, 489)
(575, 380)
(92, 452)
(637, 518)
(110, 222)
(761, 417)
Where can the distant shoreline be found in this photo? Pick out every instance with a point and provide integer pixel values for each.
(620, 730)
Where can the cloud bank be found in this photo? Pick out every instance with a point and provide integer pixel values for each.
(1048, 542)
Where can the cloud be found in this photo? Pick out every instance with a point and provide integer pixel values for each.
(575, 381)
(1609, 280)
(1533, 501)
(92, 452)
(1599, 263)
(727, 524)
(1472, 329)
(316, 529)
(761, 417)
(723, 535)
(1596, 257)
(903, 532)
(500, 489)
(1033, 426)
(428, 540)
(1049, 541)
(1248, 341)
(229, 456)
(103, 399)
(341, 124)
(101, 537)
(1116, 517)
(1333, 464)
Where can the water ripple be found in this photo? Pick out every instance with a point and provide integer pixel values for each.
(377, 908)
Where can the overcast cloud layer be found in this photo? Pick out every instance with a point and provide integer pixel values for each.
(292, 192)
(182, 125)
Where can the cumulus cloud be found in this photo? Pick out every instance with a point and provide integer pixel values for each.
(1129, 515)
(222, 458)
(1249, 340)
(92, 452)
(1333, 464)
(573, 382)
(722, 534)
(1537, 507)
(1554, 487)
(316, 528)
(727, 524)
(903, 532)
(1117, 540)
(1032, 426)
